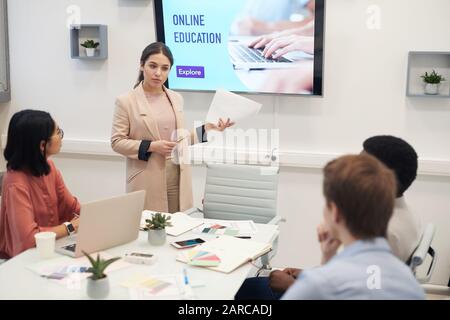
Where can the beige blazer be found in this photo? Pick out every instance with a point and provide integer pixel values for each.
(132, 123)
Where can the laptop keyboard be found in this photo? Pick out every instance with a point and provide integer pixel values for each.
(71, 247)
(247, 54)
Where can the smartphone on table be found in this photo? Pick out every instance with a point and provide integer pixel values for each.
(187, 243)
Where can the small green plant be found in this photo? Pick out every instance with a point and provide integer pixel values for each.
(158, 221)
(98, 266)
(90, 44)
(433, 77)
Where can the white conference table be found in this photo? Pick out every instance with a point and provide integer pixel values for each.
(19, 282)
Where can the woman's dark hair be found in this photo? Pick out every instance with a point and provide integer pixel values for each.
(151, 49)
(26, 130)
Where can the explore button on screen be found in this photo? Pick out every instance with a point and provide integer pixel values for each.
(190, 72)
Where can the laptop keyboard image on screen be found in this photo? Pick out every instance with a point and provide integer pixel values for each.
(247, 54)
(244, 57)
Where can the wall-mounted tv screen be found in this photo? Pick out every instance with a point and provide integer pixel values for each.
(255, 46)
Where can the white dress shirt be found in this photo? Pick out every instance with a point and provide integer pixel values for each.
(404, 230)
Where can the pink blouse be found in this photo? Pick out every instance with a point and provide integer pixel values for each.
(30, 205)
(162, 110)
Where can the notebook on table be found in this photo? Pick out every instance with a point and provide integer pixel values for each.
(232, 252)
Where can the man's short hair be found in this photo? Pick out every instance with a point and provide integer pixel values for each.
(363, 190)
(396, 154)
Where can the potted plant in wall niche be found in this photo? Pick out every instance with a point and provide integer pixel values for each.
(432, 82)
(156, 227)
(90, 46)
(98, 282)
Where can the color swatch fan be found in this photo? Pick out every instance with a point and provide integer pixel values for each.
(201, 258)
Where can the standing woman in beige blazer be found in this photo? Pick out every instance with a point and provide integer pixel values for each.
(147, 124)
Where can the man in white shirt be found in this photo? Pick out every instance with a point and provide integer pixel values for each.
(359, 196)
(404, 229)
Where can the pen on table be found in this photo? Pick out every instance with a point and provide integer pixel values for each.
(180, 139)
(188, 293)
(186, 279)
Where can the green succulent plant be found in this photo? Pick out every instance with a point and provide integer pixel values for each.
(433, 77)
(90, 44)
(158, 221)
(98, 266)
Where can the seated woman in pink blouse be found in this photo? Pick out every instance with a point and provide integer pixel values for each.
(34, 197)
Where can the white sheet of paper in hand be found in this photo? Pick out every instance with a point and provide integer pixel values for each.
(229, 105)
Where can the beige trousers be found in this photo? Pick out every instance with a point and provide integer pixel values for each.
(173, 185)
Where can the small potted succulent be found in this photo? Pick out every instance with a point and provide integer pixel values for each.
(90, 46)
(432, 82)
(98, 282)
(156, 227)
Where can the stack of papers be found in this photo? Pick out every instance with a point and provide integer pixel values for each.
(229, 105)
(169, 286)
(241, 228)
(217, 229)
(181, 222)
(232, 252)
(69, 272)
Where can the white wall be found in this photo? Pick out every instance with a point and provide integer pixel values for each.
(364, 94)
(4, 85)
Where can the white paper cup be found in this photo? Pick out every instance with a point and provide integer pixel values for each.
(45, 243)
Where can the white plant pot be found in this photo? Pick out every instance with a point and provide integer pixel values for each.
(90, 52)
(157, 237)
(97, 289)
(431, 88)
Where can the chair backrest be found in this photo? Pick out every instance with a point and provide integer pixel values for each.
(241, 192)
(423, 249)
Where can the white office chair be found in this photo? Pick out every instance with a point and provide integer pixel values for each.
(423, 249)
(242, 192)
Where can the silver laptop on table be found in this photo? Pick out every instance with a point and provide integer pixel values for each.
(105, 224)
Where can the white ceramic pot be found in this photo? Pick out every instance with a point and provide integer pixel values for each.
(90, 52)
(98, 289)
(157, 237)
(431, 88)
